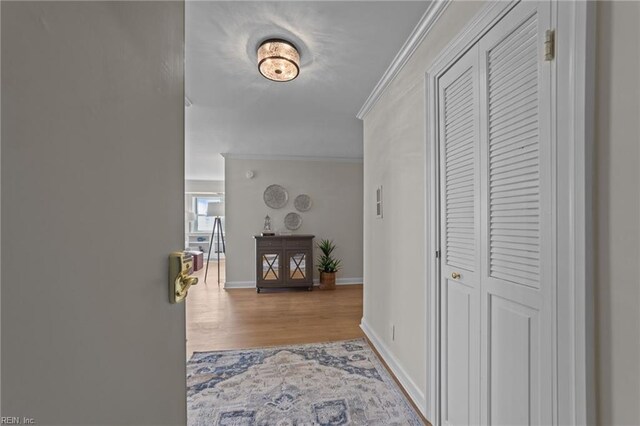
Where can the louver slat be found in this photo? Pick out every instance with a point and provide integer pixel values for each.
(460, 160)
(514, 167)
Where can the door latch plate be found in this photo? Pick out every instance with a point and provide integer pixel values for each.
(180, 279)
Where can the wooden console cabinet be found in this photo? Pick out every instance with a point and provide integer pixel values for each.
(284, 261)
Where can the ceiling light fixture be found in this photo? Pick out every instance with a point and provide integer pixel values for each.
(278, 60)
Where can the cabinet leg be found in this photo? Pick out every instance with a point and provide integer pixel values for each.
(310, 288)
(257, 289)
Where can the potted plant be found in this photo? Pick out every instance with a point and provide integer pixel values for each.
(328, 265)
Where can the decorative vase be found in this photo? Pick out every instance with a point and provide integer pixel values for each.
(327, 280)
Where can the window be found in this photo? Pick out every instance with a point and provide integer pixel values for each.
(203, 222)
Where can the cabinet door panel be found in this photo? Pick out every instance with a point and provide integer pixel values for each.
(270, 267)
(298, 266)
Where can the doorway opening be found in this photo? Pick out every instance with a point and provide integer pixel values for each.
(279, 160)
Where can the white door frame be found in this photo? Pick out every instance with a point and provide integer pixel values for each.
(573, 69)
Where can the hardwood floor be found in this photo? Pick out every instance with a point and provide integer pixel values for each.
(219, 319)
(241, 318)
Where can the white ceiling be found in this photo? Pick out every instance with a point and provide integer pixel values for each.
(345, 48)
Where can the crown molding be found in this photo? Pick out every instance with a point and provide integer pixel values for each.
(203, 193)
(229, 156)
(418, 34)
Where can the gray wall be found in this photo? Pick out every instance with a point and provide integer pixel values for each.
(617, 213)
(394, 157)
(336, 213)
(92, 203)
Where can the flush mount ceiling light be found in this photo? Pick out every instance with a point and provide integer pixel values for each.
(278, 60)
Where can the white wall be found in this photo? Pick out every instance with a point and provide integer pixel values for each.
(394, 157)
(335, 189)
(92, 190)
(192, 185)
(617, 212)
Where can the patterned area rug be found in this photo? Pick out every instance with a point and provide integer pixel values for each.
(336, 383)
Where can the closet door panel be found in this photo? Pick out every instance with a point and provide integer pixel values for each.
(513, 136)
(461, 348)
(516, 193)
(458, 96)
(513, 373)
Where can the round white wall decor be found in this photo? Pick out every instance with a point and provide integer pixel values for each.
(292, 221)
(275, 196)
(302, 203)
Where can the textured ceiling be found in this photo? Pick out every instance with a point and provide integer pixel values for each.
(345, 48)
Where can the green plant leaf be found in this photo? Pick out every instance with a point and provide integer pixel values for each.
(326, 262)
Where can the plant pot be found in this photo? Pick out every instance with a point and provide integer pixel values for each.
(327, 280)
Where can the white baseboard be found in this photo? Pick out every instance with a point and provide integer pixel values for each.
(252, 284)
(344, 281)
(349, 281)
(240, 284)
(409, 385)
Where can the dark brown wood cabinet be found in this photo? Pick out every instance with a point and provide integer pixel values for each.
(284, 261)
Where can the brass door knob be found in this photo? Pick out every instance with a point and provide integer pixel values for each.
(455, 275)
(183, 283)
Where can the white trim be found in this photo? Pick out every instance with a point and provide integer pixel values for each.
(576, 95)
(231, 156)
(252, 284)
(575, 108)
(428, 19)
(239, 284)
(432, 237)
(348, 281)
(472, 32)
(343, 281)
(409, 385)
(203, 193)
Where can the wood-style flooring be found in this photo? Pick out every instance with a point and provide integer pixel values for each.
(219, 319)
(241, 318)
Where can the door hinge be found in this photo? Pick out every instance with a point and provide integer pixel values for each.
(549, 45)
(437, 254)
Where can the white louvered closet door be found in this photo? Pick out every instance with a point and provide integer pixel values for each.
(516, 197)
(497, 179)
(458, 101)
